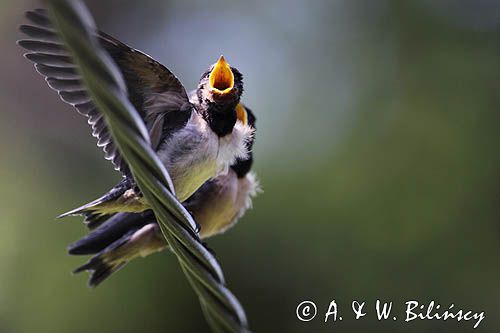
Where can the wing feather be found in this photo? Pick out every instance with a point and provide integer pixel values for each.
(157, 94)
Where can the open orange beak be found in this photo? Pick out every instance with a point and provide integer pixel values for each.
(221, 78)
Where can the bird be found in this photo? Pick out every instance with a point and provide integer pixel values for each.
(196, 136)
(216, 206)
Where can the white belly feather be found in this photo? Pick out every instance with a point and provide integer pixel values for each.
(196, 154)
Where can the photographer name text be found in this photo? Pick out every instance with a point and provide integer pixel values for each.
(412, 310)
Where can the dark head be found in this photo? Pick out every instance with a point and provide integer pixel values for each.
(219, 93)
(243, 166)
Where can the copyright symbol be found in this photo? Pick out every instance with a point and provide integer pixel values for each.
(306, 311)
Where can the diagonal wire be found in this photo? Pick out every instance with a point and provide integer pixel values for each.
(105, 84)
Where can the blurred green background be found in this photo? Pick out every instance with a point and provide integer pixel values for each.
(377, 148)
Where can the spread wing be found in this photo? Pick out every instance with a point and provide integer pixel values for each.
(156, 93)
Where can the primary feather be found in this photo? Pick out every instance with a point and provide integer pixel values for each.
(156, 93)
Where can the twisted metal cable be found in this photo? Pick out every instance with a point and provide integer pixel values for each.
(106, 86)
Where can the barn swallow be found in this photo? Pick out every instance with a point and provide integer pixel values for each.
(216, 205)
(195, 139)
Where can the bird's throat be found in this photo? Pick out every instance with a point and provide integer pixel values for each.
(221, 119)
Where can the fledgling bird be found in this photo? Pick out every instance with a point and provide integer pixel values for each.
(217, 205)
(196, 139)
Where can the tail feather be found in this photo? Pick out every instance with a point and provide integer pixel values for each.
(94, 220)
(136, 242)
(99, 270)
(92, 210)
(106, 262)
(85, 209)
(108, 232)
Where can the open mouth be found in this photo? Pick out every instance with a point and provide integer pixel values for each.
(221, 78)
